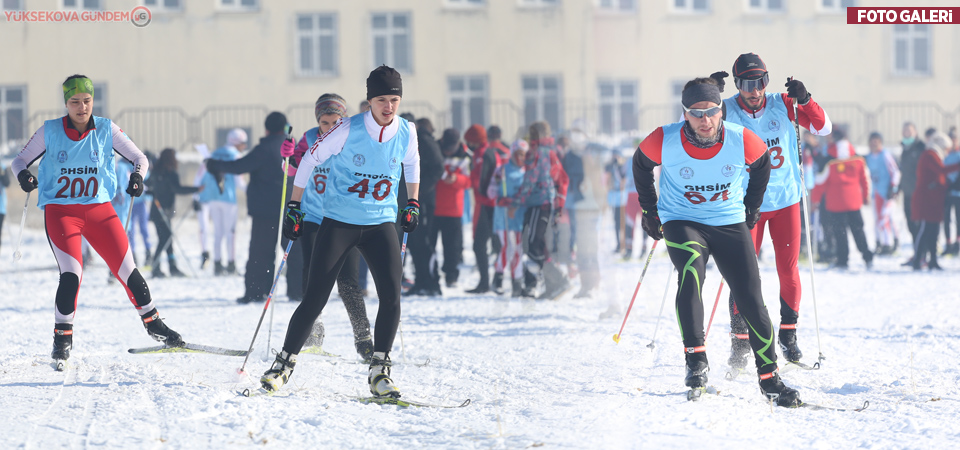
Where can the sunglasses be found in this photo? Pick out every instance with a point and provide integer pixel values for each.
(699, 113)
(751, 85)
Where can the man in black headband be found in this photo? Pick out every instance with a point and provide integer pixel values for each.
(708, 203)
(769, 116)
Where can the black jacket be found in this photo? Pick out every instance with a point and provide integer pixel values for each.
(908, 166)
(165, 186)
(265, 166)
(431, 167)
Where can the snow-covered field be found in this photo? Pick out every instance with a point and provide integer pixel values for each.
(539, 374)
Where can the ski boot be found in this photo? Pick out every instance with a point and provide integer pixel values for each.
(317, 334)
(773, 388)
(279, 373)
(174, 271)
(516, 286)
(788, 342)
(380, 383)
(482, 288)
(364, 347)
(697, 370)
(739, 350)
(217, 269)
(497, 286)
(62, 344)
(204, 257)
(231, 268)
(159, 331)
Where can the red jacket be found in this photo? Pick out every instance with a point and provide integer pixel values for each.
(450, 195)
(486, 160)
(930, 194)
(844, 181)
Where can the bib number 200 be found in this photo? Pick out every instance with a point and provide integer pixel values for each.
(78, 187)
(379, 192)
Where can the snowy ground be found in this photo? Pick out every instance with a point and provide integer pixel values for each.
(539, 374)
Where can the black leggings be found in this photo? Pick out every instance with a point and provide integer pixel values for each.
(348, 281)
(926, 244)
(690, 245)
(380, 247)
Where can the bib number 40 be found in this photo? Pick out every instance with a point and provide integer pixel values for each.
(697, 198)
(379, 192)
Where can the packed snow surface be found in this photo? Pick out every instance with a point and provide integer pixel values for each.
(540, 374)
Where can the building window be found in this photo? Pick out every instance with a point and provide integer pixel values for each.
(911, 49)
(618, 106)
(541, 99)
(467, 3)
(317, 44)
(617, 5)
(81, 4)
(836, 6)
(239, 5)
(766, 6)
(13, 114)
(540, 3)
(690, 6)
(13, 5)
(392, 43)
(100, 99)
(163, 5)
(676, 98)
(468, 100)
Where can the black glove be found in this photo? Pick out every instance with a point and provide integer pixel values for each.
(410, 216)
(28, 182)
(796, 90)
(135, 186)
(212, 166)
(293, 221)
(719, 76)
(753, 215)
(650, 222)
(196, 205)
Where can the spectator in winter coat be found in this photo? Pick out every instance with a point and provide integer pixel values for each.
(449, 212)
(265, 166)
(573, 165)
(423, 241)
(508, 221)
(928, 199)
(484, 164)
(845, 185)
(164, 184)
(4, 182)
(616, 174)
(953, 196)
(909, 155)
(220, 198)
(885, 180)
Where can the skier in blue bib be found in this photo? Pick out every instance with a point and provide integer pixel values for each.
(360, 210)
(707, 205)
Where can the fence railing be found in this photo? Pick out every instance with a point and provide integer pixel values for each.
(157, 128)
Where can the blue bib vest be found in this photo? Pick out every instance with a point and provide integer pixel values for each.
(211, 190)
(362, 184)
(312, 201)
(77, 172)
(776, 129)
(703, 191)
(879, 174)
(512, 179)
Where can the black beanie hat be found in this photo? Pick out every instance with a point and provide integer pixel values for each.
(749, 66)
(275, 122)
(449, 140)
(384, 81)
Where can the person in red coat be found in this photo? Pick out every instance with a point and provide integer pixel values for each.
(845, 187)
(928, 198)
(449, 213)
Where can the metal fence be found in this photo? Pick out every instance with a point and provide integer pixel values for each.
(158, 128)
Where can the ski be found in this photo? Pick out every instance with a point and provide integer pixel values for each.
(258, 392)
(817, 407)
(406, 403)
(733, 373)
(188, 348)
(694, 394)
(800, 365)
(318, 351)
(60, 365)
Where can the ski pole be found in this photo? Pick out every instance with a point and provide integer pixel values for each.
(126, 224)
(715, 303)
(276, 278)
(616, 337)
(173, 238)
(666, 290)
(23, 222)
(283, 201)
(806, 218)
(403, 254)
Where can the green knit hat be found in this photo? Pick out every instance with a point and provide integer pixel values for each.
(76, 86)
